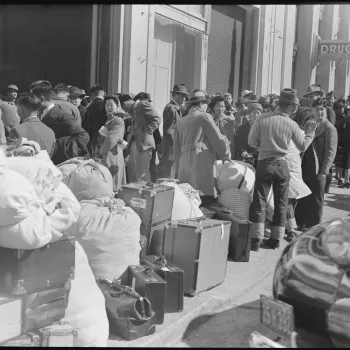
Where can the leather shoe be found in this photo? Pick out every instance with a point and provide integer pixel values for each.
(271, 244)
(255, 244)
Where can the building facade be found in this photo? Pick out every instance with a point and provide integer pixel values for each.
(133, 48)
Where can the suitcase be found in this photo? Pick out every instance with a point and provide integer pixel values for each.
(44, 315)
(199, 247)
(153, 202)
(30, 271)
(155, 238)
(60, 334)
(149, 285)
(29, 339)
(173, 276)
(11, 318)
(240, 240)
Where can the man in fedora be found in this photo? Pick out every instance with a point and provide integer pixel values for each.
(271, 135)
(76, 96)
(171, 115)
(264, 100)
(11, 94)
(197, 144)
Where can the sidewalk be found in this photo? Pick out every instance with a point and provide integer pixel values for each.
(240, 278)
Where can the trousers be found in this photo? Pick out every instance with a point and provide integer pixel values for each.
(139, 164)
(270, 172)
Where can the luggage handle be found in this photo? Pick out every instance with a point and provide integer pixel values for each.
(243, 177)
(161, 259)
(116, 289)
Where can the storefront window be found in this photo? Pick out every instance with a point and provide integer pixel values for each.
(176, 59)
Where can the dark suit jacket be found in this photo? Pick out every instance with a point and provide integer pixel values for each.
(71, 139)
(171, 116)
(95, 117)
(241, 141)
(145, 121)
(35, 130)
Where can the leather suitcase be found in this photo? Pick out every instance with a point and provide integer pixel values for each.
(45, 307)
(173, 276)
(148, 284)
(30, 271)
(199, 247)
(29, 339)
(155, 238)
(240, 240)
(60, 334)
(153, 202)
(11, 318)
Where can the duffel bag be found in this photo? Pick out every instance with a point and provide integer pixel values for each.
(87, 179)
(109, 232)
(130, 315)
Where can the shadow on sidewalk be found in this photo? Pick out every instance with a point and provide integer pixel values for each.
(232, 328)
(338, 201)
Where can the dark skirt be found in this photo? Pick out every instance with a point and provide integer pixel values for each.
(338, 161)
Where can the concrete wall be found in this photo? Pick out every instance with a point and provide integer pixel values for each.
(342, 72)
(276, 41)
(307, 27)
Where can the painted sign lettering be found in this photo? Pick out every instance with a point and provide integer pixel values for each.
(334, 49)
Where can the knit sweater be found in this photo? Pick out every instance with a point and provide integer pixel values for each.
(272, 132)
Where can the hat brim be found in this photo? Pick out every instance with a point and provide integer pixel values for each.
(200, 100)
(314, 93)
(77, 95)
(180, 92)
(290, 102)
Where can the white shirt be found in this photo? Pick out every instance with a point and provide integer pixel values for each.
(47, 109)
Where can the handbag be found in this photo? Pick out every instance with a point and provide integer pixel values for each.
(130, 316)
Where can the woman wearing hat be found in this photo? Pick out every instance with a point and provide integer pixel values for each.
(109, 144)
(245, 152)
(317, 160)
(223, 122)
(197, 144)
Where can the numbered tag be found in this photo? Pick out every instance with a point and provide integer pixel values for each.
(138, 203)
(133, 283)
(165, 269)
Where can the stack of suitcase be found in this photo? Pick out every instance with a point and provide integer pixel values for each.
(34, 291)
(182, 257)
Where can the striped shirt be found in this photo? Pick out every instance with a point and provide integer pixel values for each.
(272, 132)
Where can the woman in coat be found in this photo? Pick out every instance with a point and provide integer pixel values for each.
(225, 123)
(109, 144)
(197, 143)
(316, 162)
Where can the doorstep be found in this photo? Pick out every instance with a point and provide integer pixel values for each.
(240, 277)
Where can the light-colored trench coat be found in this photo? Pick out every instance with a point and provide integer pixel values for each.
(297, 187)
(197, 142)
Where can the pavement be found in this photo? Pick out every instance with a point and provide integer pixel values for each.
(241, 278)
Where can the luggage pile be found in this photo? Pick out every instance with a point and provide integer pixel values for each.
(44, 273)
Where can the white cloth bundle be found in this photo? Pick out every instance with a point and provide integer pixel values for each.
(87, 179)
(109, 232)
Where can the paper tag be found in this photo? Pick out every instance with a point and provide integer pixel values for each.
(222, 231)
(138, 203)
(165, 269)
(133, 283)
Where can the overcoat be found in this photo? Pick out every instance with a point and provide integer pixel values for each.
(197, 143)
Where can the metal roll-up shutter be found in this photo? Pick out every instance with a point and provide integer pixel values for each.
(225, 50)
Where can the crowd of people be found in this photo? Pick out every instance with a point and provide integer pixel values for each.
(291, 141)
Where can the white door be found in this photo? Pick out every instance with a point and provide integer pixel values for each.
(159, 77)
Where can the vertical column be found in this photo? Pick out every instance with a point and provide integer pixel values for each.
(288, 42)
(328, 30)
(341, 84)
(307, 27)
